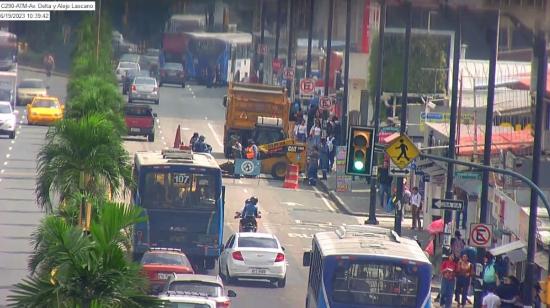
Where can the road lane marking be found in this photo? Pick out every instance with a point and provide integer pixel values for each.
(2, 171)
(13, 141)
(218, 140)
(290, 203)
(5, 163)
(325, 201)
(245, 190)
(299, 235)
(7, 155)
(9, 149)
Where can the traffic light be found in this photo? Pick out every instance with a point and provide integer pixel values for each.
(360, 150)
(544, 292)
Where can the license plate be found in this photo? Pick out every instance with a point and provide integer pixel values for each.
(163, 276)
(258, 271)
(135, 130)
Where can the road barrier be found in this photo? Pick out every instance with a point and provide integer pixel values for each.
(291, 177)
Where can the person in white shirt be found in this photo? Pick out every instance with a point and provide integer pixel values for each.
(300, 131)
(491, 300)
(315, 133)
(416, 208)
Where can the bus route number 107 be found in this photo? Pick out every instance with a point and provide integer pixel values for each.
(181, 179)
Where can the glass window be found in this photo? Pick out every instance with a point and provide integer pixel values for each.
(149, 81)
(138, 111)
(45, 104)
(168, 190)
(257, 242)
(125, 65)
(208, 289)
(375, 284)
(32, 84)
(165, 258)
(5, 109)
(230, 242)
(153, 52)
(173, 66)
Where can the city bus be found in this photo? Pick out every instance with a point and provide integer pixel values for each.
(183, 198)
(365, 266)
(174, 40)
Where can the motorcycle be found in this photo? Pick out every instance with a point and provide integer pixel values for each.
(250, 225)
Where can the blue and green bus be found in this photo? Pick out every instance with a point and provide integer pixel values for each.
(182, 195)
(365, 266)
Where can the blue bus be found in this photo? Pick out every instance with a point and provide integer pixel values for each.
(365, 266)
(181, 192)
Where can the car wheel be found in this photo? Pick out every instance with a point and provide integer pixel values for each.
(157, 102)
(151, 137)
(279, 170)
(228, 277)
(12, 135)
(160, 84)
(129, 101)
(183, 85)
(220, 271)
(281, 282)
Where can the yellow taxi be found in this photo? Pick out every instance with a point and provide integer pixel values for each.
(44, 110)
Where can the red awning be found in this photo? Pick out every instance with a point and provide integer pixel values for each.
(524, 83)
(513, 140)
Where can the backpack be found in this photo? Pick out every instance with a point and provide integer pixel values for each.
(489, 275)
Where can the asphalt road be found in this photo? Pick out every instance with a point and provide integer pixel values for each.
(19, 214)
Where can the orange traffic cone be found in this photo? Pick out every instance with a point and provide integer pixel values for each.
(291, 177)
(177, 140)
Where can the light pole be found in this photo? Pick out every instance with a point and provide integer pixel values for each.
(310, 37)
(98, 33)
(327, 64)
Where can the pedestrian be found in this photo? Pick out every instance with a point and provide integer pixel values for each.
(324, 153)
(251, 151)
(332, 151)
(315, 133)
(457, 244)
(491, 300)
(490, 277)
(501, 266)
(49, 63)
(416, 208)
(245, 79)
(313, 166)
(448, 269)
(194, 139)
(300, 131)
(237, 76)
(237, 149)
(508, 292)
(384, 183)
(464, 271)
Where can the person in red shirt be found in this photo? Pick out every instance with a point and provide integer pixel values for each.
(448, 271)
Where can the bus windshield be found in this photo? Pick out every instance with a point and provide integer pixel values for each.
(179, 190)
(389, 285)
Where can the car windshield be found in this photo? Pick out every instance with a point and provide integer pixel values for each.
(5, 109)
(173, 66)
(147, 81)
(138, 111)
(204, 288)
(45, 104)
(32, 84)
(165, 258)
(129, 57)
(128, 65)
(257, 242)
(183, 304)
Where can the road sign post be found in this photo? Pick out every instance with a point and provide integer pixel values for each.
(397, 171)
(247, 167)
(307, 88)
(447, 204)
(481, 235)
(402, 151)
(325, 103)
(360, 151)
(288, 73)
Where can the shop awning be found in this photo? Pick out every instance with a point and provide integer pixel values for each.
(511, 140)
(506, 248)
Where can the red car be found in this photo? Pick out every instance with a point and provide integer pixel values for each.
(159, 264)
(140, 121)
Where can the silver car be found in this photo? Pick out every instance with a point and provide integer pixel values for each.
(123, 67)
(144, 89)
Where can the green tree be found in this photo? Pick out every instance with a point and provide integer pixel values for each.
(87, 148)
(75, 269)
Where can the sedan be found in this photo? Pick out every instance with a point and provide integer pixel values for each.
(144, 89)
(253, 256)
(130, 57)
(44, 110)
(28, 89)
(185, 300)
(123, 67)
(129, 78)
(8, 120)
(160, 263)
(172, 73)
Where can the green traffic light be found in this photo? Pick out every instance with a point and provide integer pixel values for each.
(358, 165)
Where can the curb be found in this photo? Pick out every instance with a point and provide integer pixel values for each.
(38, 70)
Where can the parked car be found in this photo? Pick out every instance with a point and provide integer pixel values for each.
(28, 89)
(129, 78)
(140, 121)
(253, 256)
(144, 89)
(160, 263)
(172, 73)
(210, 287)
(44, 110)
(186, 300)
(8, 120)
(123, 67)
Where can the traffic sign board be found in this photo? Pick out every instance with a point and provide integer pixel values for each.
(247, 167)
(276, 65)
(288, 73)
(262, 49)
(325, 103)
(481, 235)
(399, 172)
(402, 151)
(307, 87)
(447, 204)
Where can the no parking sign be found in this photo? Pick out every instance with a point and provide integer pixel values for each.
(481, 235)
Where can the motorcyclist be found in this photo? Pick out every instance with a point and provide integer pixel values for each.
(49, 64)
(194, 139)
(250, 212)
(201, 146)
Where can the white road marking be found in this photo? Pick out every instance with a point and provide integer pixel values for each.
(162, 137)
(218, 140)
(325, 201)
(245, 191)
(185, 128)
(2, 171)
(194, 96)
(7, 155)
(13, 141)
(300, 235)
(9, 149)
(298, 221)
(160, 131)
(290, 203)
(5, 163)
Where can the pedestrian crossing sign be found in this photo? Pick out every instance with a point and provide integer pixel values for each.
(402, 151)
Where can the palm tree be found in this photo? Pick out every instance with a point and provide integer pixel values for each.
(82, 155)
(76, 269)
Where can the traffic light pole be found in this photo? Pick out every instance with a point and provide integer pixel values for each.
(309, 37)
(290, 82)
(262, 41)
(277, 29)
(344, 121)
(403, 128)
(377, 96)
(327, 64)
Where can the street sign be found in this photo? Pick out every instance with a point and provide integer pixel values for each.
(481, 235)
(402, 151)
(307, 87)
(262, 49)
(288, 73)
(325, 103)
(247, 167)
(276, 65)
(398, 172)
(447, 204)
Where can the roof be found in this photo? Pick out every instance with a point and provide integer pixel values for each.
(198, 277)
(255, 234)
(152, 158)
(181, 17)
(257, 88)
(368, 240)
(229, 37)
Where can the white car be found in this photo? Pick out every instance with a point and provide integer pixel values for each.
(8, 120)
(253, 255)
(182, 300)
(205, 286)
(123, 67)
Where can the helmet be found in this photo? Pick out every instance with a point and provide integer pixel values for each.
(253, 200)
(195, 134)
(201, 138)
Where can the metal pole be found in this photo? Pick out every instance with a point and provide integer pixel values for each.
(539, 50)
(492, 37)
(262, 41)
(344, 126)
(377, 97)
(98, 33)
(310, 37)
(289, 82)
(404, 95)
(448, 214)
(327, 63)
(277, 29)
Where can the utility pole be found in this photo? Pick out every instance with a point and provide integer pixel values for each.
(448, 214)
(310, 37)
(492, 38)
(344, 121)
(327, 64)
(262, 41)
(277, 29)
(290, 82)
(98, 33)
(377, 97)
(404, 96)
(539, 51)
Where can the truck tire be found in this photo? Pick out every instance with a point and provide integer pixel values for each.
(151, 137)
(12, 135)
(278, 171)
